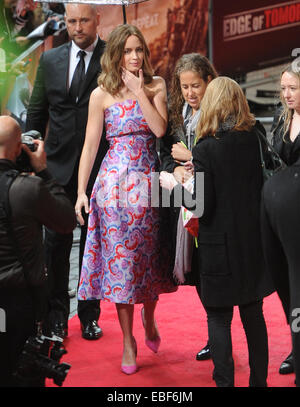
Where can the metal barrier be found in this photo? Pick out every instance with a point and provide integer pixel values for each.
(27, 52)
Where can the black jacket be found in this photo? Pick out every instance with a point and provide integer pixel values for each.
(288, 151)
(231, 264)
(34, 201)
(67, 120)
(280, 218)
(167, 161)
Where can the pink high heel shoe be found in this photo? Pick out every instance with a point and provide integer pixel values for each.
(131, 369)
(155, 343)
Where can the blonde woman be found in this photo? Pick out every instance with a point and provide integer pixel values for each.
(121, 263)
(286, 141)
(231, 265)
(286, 125)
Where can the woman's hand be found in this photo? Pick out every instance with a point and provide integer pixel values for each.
(134, 83)
(167, 180)
(82, 202)
(180, 153)
(181, 175)
(189, 167)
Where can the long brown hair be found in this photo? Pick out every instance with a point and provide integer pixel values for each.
(110, 78)
(189, 62)
(287, 113)
(223, 100)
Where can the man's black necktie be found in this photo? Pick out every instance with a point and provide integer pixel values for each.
(78, 76)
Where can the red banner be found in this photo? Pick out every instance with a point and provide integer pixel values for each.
(254, 34)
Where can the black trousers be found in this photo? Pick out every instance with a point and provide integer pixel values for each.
(18, 324)
(219, 332)
(57, 253)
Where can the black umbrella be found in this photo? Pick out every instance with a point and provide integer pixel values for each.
(123, 3)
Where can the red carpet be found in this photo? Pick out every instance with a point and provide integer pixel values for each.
(183, 328)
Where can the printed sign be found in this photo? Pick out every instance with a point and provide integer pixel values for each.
(255, 34)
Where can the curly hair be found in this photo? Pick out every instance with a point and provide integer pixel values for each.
(189, 62)
(111, 61)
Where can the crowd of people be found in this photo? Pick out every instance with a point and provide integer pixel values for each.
(101, 110)
(18, 18)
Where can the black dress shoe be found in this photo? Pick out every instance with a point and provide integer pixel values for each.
(91, 330)
(204, 353)
(60, 329)
(287, 366)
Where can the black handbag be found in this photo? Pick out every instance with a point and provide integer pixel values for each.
(271, 163)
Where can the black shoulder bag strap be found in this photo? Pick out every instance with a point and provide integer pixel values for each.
(6, 180)
(276, 162)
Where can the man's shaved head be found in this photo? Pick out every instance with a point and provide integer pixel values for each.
(82, 21)
(10, 137)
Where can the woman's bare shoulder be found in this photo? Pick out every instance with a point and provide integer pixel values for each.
(100, 97)
(98, 93)
(156, 87)
(158, 81)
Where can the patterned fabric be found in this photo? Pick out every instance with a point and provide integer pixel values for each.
(122, 258)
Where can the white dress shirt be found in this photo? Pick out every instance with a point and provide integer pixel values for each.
(74, 59)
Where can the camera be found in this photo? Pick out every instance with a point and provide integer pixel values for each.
(34, 361)
(23, 162)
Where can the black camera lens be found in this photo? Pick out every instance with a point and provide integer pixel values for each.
(23, 162)
(35, 360)
(28, 141)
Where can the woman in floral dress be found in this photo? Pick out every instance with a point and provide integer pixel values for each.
(122, 259)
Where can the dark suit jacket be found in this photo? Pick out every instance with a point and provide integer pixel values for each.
(231, 264)
(51, 104)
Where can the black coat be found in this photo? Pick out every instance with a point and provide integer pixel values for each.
(67, 120)
(279, 212)
(281, 233)
(167, 161)
(288, 151)
(34, 201)
(280, 219)
(231, 264)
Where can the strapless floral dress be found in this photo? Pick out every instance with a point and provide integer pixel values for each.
(123, 261)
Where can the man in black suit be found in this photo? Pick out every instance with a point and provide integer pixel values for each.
(280, 219)
(58, 109)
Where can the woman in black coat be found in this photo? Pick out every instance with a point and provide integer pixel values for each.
(286, 141)
(231, 265)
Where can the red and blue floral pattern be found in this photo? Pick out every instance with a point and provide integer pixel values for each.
(122, 261)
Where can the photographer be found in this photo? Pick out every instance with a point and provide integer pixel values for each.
(33, 201)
